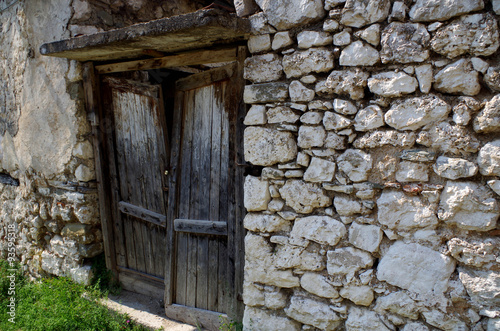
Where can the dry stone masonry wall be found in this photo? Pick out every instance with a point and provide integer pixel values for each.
(376, 124)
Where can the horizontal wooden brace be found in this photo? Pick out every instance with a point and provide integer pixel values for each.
(201, 227)
(184, 59)
(142, 213)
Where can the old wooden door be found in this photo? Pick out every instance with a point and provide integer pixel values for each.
(206, 238)
(137, 145)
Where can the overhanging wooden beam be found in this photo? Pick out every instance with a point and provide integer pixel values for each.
(185, 59)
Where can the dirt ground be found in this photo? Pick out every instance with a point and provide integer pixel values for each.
(144, 310)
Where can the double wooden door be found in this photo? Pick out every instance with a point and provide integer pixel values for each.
(177, 221)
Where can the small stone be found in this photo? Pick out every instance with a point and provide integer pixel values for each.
(371, 34)
(312, 312)
(319, 170)
(417, 156)
(380, 138)
(266, 147)
(84, 173)
(473, 253)
(482, 286)
(481, 66)
(441, 10)
(449, 138)
(404, 43)
(318, 285)
(492, 78)
(366, 237)
(298, 92)
(488, 120)
(256, 194)
(454, 168)
(344, 107)
(281, 40)
(308, 39)
(360, 295)
(424, 76)
(342, 38)
(259, 43)
(294, 173)
(469, 206)
(260, 319)
(84, 150)
(364, 320)
(311, 136)
(265, 223)
(356, 164)
(263, 68)
(304, 197)
(443, 321)
(347, 260)
(414, 113)
(281, 115)
(319, 104)
(309, 79)
(359, 54)
(312, 118)
(392, 84)
(398, 303)
(267, 92)
(291, 13)
(458, 78)
(489, 159)
(335, 141)
(272, 173)
(412, 172)
(416, 268)
(321, 229)
(333, 121)
(398, 11)
(301, 63)
(330, 25)
(347, 206)
(81, 233)
(256, 115)
(348, 82)
(357, 13)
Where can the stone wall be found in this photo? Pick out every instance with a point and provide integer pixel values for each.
(376, 125)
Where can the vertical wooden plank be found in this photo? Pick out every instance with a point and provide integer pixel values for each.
(92, 101)
(172, 211)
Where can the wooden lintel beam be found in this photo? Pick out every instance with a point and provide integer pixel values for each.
(185, 59)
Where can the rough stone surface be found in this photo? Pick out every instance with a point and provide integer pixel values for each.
(392, 84)
(281, 40)
(366, 237)
(347, 261)
(449, 138)
(267, 92)
(256, 115)
(424, 76)
(412, 172)
(473, 253)
(398, 303)
(349, 82)
(414, 113)
(469, 206)
(399, 211)
(404, 43)
(355, 163)
(319, 170)
(364, 320)
(263, 68)
(332, 121)
(318, 285)
(454, 168)
(287, 14)
(321, 229)
(347, 206)
(260, 319)
(281, 115)
(267, 146)
(415, 268)
(385, 138)
(458, 78)
(488, 120)
(483, 286)
(358, 13)
(302, 63)
(489, 159)
(433, 10)
(304, 197)
(308, 39)
(474, 34)
(313, 313)
(311, 136)
(344, 107)
(360, 295)
(492, 78)
(298, 92)
(259, 43)
(369, 118)
(359, 54)
(265, 223)
(256, 193)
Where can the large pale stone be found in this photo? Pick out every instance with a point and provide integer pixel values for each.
(404, 43)
(458, 78)
(364, 320)
(483, 286)
(366, 237)
(414, 113)
(308, 39)
(347, 260)
(286, 14)
(348, 82)
(469, 206)
(266, 92)
(268, 146)
(281, 40)
(311, 136)
(321, 229)
(474, 253)
(437, 10)
(402, 212)
(398, 303)
(412, 172)
(304, 197)
(298, 92)
(84, 173)
(256, 115)
(369, 118)
(449, 138)
(358, 13)
(313, 313)
(259, 43)
(488, 120)
(474, 34)
(392, 84)
(359, 54)
(356, 164)
(360, 295)
(333, 121)
(489, 159)
(281, 114)
(318, 285)
(256, 194)
(263, 68)
(346, 206)
(320, 170)
(416, 268)
(265, 320)
(301, 63)
(454, 168)
(385, 138)
(265, 223)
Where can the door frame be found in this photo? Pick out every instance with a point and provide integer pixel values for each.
(106, 188)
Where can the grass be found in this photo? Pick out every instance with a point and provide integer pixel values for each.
(59, 304)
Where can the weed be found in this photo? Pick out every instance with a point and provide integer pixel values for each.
(103, 277)
(229, 325)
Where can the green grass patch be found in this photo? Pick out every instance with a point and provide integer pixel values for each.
(56, 304)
